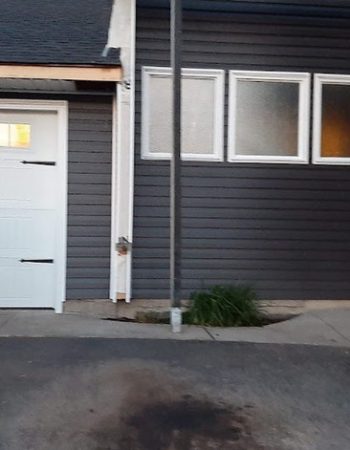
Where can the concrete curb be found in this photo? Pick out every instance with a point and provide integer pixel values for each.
(330, 328)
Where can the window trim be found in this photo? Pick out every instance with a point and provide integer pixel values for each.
(219, 77)
(304, 81)
(319, 80)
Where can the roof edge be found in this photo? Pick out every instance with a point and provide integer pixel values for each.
(62, 72)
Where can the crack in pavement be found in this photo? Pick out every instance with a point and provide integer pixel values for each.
(333, 328)
(2, 324)
(209, 334)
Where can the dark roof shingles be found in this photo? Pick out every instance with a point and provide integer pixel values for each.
(55, 32)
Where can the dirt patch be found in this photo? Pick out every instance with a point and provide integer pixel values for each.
(132, 405)
(138, 404)
(188, 424)
(168, 420)
(165, 320)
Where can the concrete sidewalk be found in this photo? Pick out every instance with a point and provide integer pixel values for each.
(328, 327)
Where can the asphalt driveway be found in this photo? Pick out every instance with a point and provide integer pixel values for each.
(111, 394)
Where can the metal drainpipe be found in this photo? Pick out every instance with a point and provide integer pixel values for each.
(175, 178)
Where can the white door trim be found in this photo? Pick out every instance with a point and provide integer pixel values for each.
(61, 107)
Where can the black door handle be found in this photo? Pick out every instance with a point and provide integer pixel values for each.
(40, 163)
(37, 261)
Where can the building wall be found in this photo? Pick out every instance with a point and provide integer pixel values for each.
(284, 229)
(89, 198)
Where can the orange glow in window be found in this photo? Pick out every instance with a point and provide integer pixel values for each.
(19, 135)
(14, 135)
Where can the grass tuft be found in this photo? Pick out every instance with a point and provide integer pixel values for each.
(224, 306)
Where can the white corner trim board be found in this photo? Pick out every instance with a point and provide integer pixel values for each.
(131, 173)
(319, 81)
(119, 33)
(123, 148)
(115, 147)
(303, 80)
(218, 76)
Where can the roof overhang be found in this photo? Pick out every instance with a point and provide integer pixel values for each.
(245, 5)
(56, 87)
(53, 72)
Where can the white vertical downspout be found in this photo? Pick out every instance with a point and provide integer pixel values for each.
(115, 146)
(132, 147)
(122, 34)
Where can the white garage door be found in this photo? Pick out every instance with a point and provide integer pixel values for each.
(30, 207)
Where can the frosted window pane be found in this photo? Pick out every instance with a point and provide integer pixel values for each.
(159, 115)
(267, 118)
(15, 135)
(4, 135)
(335, 121)
(198, 116)
(20, 135)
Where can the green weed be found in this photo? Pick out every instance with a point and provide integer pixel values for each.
(224, 306)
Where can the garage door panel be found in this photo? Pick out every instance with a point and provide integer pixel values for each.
(42, 234)
(27, 187)
(20, 284)
(43, 132)
(25, 280)
(12, 235)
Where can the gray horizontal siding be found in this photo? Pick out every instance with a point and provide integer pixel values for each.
(89, 198)
(285, 229)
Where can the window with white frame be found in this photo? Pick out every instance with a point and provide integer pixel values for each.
(202, 114)
(331, 128)
(269, 117)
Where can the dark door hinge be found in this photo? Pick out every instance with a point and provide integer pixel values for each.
(37, 261)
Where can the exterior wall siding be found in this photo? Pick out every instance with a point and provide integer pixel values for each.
(89, 198)
(284, 229)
